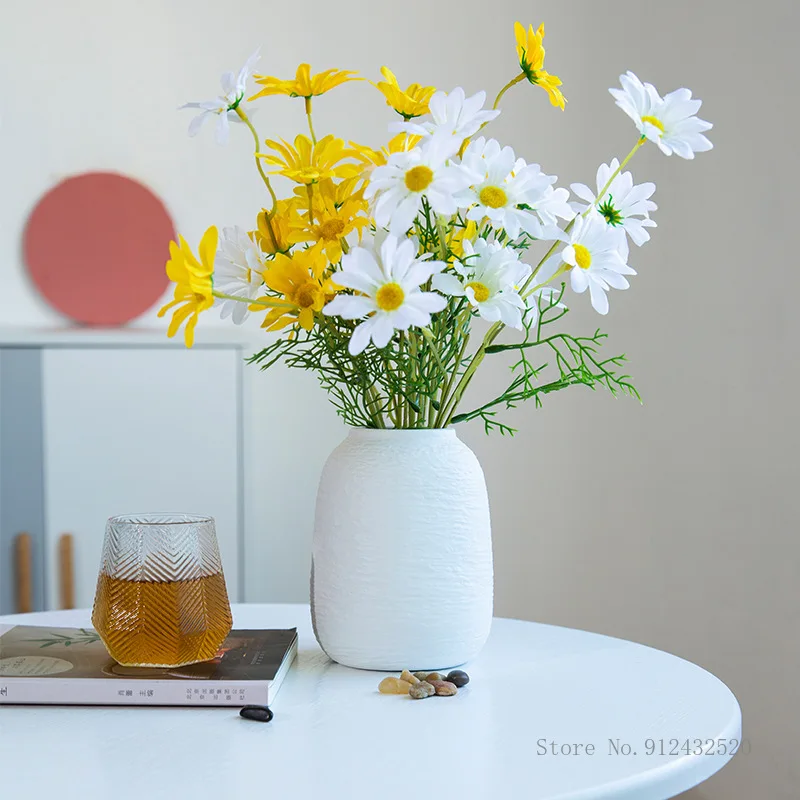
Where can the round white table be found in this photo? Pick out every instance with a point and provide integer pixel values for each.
(550, 713)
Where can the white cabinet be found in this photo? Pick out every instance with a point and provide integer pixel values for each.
(133, 430)
(129, 428)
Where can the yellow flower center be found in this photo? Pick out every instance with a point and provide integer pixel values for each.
(306, 295)
(419, 178)
(493, 197)
(309, 175)
(654, 121)
(331, 229)
(583, 258)
(390, 296)
(480, 291)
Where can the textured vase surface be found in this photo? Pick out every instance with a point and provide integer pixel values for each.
(402, 552)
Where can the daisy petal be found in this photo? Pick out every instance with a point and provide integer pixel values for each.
(360, 338)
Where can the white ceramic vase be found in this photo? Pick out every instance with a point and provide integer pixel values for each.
(402, 552)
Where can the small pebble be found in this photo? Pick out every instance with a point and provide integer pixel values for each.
(421, 690)
(258, 713)
(421, 675)
(434, 676)
(458, 677)
(409, 678)
(393, 685)
(444, 688)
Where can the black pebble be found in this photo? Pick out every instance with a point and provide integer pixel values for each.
(458, 677)
(258, 713)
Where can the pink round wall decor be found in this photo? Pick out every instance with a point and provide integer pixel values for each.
(95, 246)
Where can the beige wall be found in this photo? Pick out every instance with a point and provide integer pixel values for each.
(673, 523)
(676, 523)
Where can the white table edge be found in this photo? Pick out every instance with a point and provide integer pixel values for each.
(700, 767)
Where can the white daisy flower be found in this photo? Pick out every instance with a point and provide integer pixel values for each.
(409, 177)
(224, 106)
(237, 272)
(593, 259)
(452, 114)
(624, 207)
(389, 292)
(670, 122)
(512, 194)
(490, 279)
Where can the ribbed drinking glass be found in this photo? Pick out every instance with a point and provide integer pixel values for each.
(161, 599)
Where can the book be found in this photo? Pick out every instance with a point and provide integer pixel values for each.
(70, 666)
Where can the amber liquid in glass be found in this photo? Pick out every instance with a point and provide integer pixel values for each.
(156, 624)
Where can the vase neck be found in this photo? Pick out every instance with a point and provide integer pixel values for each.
(418, 434)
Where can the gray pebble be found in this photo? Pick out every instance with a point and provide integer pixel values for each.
(458, 677)
(421, 690)
(444, 688)
(258, 713)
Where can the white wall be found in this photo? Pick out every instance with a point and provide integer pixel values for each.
(674, 523)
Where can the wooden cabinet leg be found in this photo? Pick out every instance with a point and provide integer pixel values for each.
(66, 570)
(23, 559)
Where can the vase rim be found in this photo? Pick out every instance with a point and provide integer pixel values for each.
(386, 433)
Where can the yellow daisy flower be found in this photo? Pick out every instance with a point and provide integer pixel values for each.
(299, 278)
(337, 193)
(309, 163)
(530, 51)
(280, 223)
(413, 102)
(367, 158)
(304, 84)
(460, 235)
(335, 215)
(193, 282)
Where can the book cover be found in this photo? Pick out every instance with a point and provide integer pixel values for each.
(71, 666)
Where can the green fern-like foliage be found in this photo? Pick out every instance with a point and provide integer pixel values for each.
(418, 380)
(577, 359)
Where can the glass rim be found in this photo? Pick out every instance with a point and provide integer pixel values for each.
(160, 518)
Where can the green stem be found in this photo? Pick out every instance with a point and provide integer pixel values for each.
(616, 172)
(377, 415)
(310, 193)
(244, 118)
(472, 367)
(393, 409)
(310, 124)
(413, 415)
(445, 396)
(569, 225)
(429, 338)
(511, 83)
(404, 405)
(547, 255)
(442, 238)
(267, 216)
(496, 329)
(561, 270)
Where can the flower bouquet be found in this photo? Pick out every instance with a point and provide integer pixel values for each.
(391, 273)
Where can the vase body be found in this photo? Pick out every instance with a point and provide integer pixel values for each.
(402, 552)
